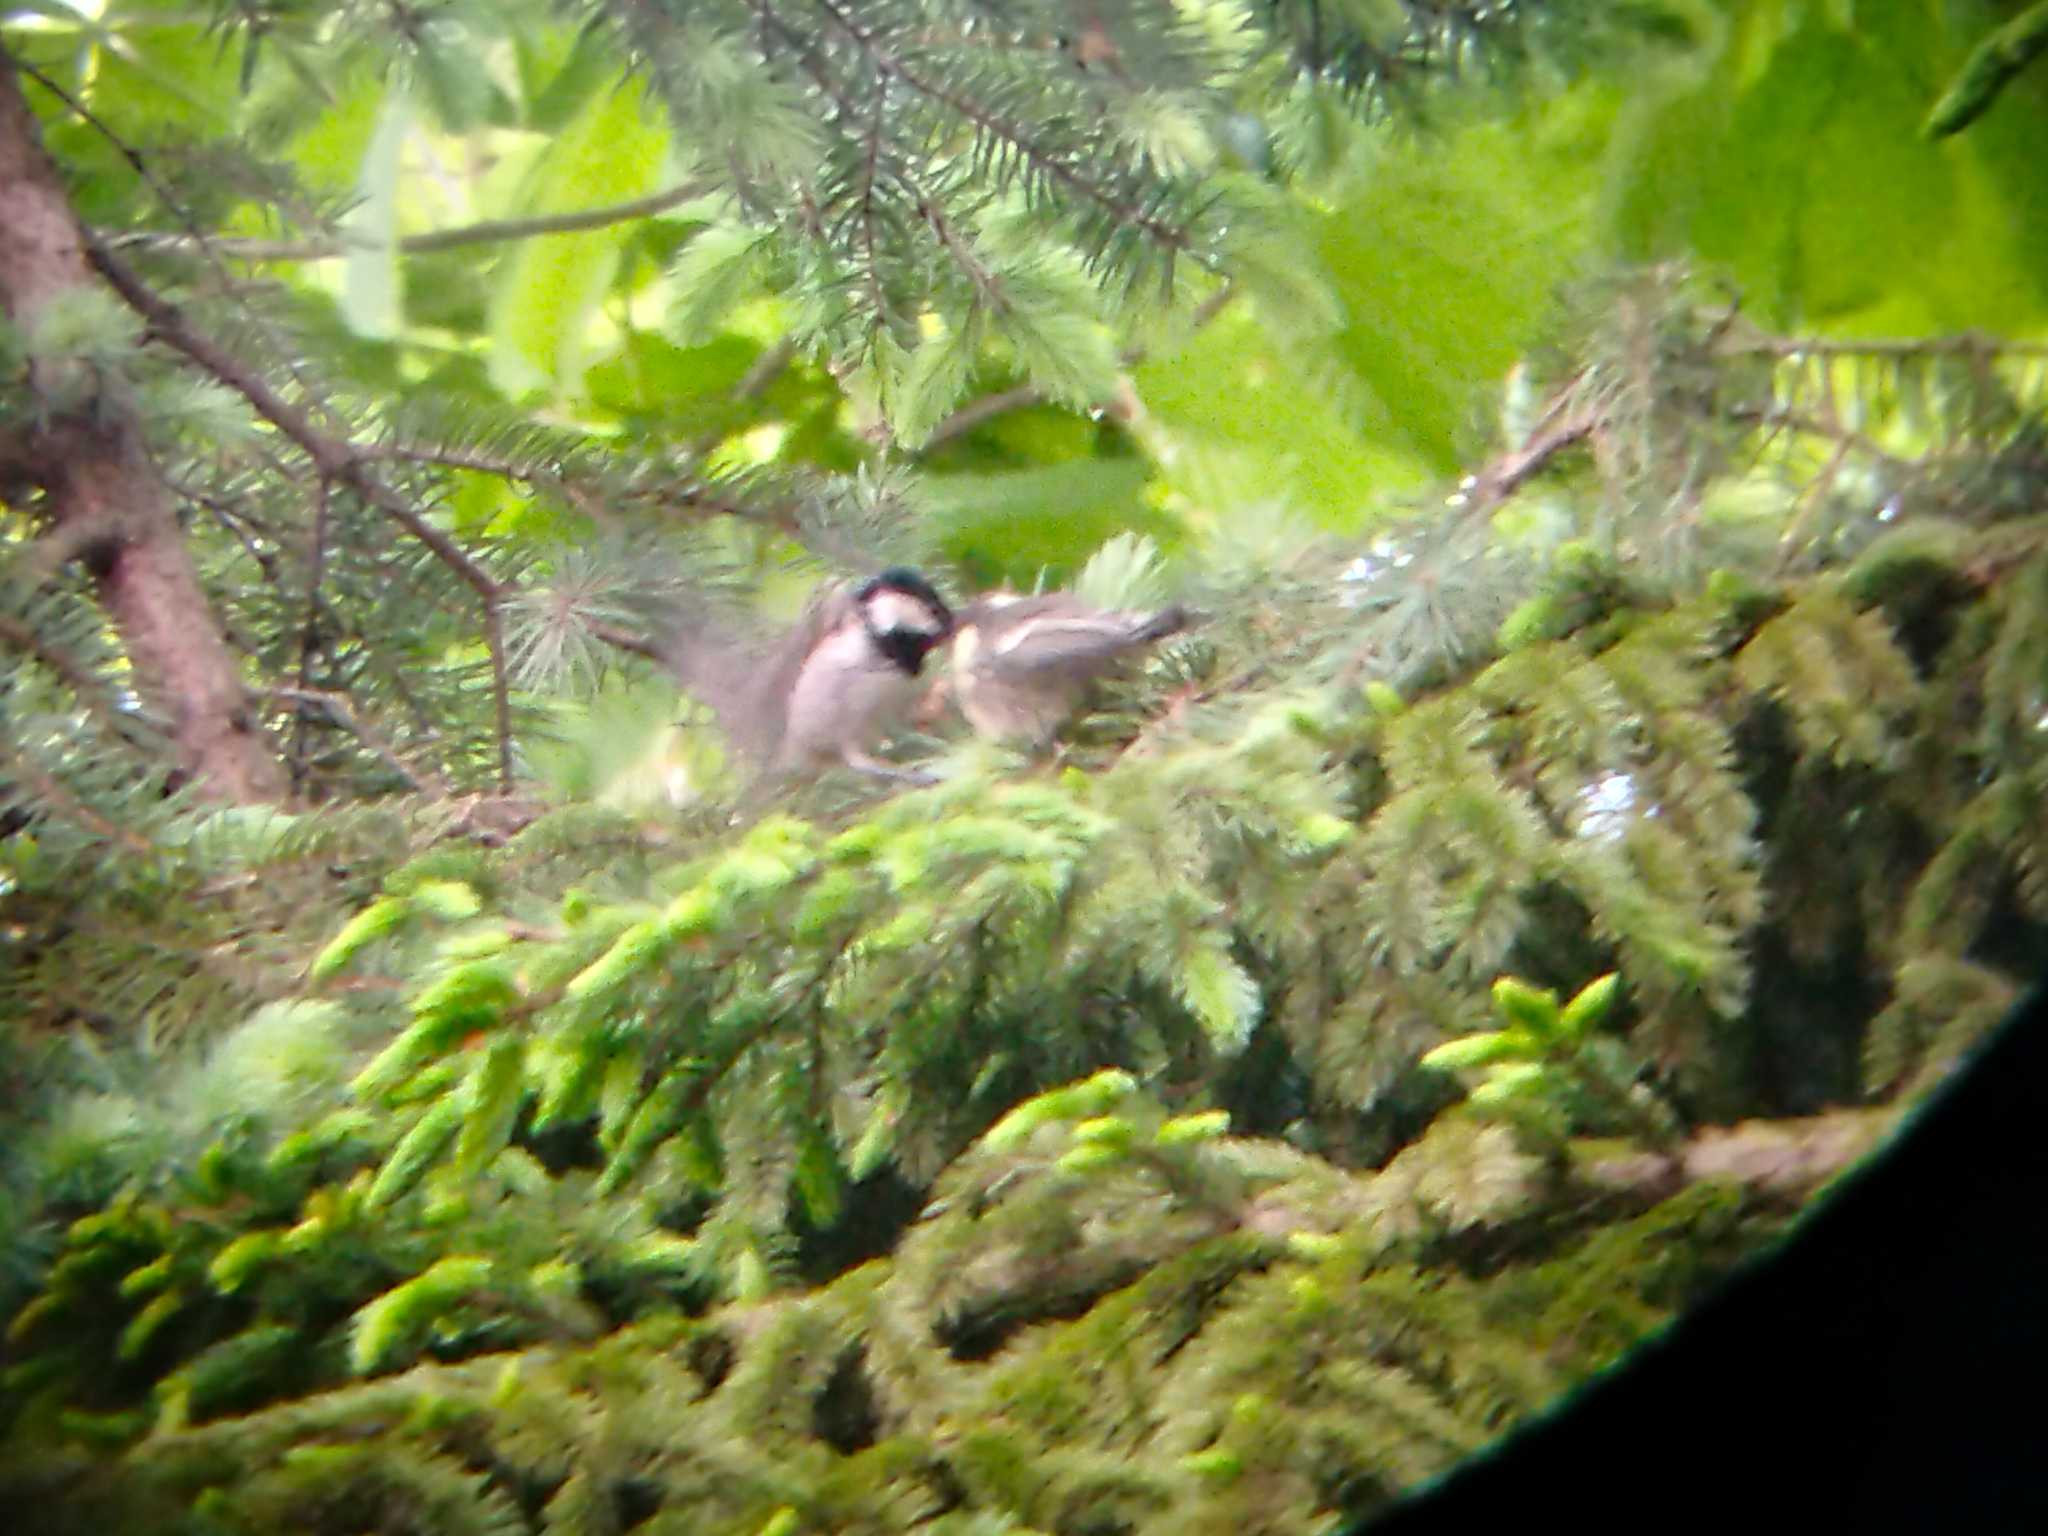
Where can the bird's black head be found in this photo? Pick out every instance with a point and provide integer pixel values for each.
(904, 615)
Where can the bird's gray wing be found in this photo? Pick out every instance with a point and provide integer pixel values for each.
(1059, 636)
(744, 673)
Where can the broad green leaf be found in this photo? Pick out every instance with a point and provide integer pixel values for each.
(331, 151)
(1018, 525)
(1995, 63)
(549, 288)
(372, 299)
(1792, 157)
(158, 68)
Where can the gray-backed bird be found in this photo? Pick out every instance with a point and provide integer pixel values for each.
(831, 688)
(1022, 665)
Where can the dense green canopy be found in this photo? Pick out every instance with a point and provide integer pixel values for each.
(444, 1091)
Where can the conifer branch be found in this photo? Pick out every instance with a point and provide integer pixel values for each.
(579, 497)
(90, 692)
(1562, 426)
(334, 459)
(100, 483)
(163, 194)
(235, 521)
(53, 792)
(337, 709)
(888, 63)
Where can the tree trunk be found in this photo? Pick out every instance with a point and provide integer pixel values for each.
(105, 504)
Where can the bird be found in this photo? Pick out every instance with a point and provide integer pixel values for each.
(1022, 665)
(831, 687)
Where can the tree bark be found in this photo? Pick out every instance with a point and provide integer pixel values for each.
(105, 504)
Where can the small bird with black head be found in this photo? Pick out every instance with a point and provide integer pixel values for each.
(831, 688)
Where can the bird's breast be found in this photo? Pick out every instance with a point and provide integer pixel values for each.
(846, 695)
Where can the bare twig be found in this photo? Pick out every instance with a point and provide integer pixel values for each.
(484, 232)
(501, 692)
(1560, 429)
(768, 367)
(1756, 343)
(626, 640)
(316, 564)
(309, 636)
(974, 413)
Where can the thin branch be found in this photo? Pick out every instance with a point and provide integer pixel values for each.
(337, 708)
(1810, 498)
(626, 640)
(485, 232)
(1497, 481)
(334, 457)
(316, 567)
(237, 522)
(974, 413)
(870, 162)
(90, 692)
(54, 792)
(1769, 417)
(1795, 348)
(309, 635)
(501, 692)
(575, 496)
(768, 367)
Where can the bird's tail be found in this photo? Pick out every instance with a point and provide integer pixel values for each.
(1170, 620)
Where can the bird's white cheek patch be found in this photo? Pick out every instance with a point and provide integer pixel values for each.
(898, 610)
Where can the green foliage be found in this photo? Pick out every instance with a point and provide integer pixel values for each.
(1991, 67)
(1546, 1069)
(510, 1133)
